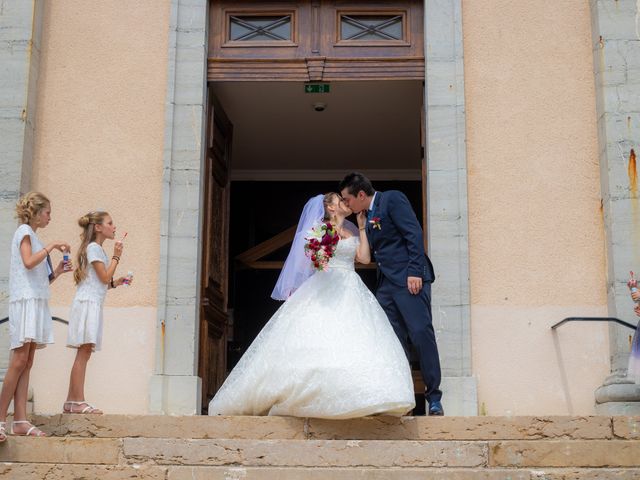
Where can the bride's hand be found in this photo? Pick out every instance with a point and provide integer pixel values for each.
(362, 219)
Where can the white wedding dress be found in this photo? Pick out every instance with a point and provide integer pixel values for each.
(328, 352)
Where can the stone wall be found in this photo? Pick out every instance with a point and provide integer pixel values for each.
(20, 47)
(616, 58)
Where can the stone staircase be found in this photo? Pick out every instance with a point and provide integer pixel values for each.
(411, 448)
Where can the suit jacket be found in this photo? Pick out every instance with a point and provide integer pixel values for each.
(397, 246)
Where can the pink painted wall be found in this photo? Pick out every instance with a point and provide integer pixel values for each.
(99, 145)
(535, 222)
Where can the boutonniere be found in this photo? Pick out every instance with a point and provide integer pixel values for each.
(375, 223)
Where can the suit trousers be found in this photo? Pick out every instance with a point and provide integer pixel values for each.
(410, 316)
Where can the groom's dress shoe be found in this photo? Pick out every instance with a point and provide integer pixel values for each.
(435, 409)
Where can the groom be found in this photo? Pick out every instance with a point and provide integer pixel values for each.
(405, 273)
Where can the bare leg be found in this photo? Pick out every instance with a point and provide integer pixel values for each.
(20, 424)
(75, 398)
(17, 364)
(22, 388)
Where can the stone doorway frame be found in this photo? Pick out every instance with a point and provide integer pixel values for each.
(175, 387)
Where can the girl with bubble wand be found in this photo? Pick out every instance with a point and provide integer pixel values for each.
(93, 276)
(30, 322)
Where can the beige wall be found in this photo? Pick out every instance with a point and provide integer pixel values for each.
(535, 223)
(99, 142)
(117, 376)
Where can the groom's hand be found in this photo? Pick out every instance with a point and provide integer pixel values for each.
(414, 284)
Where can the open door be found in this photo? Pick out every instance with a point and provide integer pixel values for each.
(215, 263)
(423, 164)
(416, 373)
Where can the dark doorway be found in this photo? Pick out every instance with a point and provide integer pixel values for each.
(285, 151)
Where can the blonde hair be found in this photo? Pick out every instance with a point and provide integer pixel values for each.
(88, 235)
(326, 201)
(30, 205)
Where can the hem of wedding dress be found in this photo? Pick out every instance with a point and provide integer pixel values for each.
(396, 409)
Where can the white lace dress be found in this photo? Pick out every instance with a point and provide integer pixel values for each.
(29, 316)
(85, 318)
(328, 352)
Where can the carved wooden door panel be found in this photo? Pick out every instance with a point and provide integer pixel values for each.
(316, 40)
(213, 311)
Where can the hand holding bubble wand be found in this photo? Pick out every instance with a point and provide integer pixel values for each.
(129, 278)
(633, 284)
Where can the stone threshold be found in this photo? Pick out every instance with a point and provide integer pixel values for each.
(368, 428)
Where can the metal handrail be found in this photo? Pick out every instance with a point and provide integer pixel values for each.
(57, 319)
(595, 319)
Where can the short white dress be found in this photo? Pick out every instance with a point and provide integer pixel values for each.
(85, 319)
(29, 316)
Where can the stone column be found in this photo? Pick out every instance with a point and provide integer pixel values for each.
(616, 47)
(447, 201)
(175, 386)
(20, 35)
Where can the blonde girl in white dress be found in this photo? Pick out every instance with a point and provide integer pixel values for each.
(29, 318)
(93, 275)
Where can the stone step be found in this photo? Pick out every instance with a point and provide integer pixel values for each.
(154, 472)
(409, 448)
(370, 428)
(325, 453)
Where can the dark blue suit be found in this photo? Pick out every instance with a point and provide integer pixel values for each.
(398, 249)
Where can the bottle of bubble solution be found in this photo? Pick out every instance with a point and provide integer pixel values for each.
(633, 284)
(128, 278)
(65, 260)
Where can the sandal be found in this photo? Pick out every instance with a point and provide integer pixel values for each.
(32, 432)
(3, 431)
(77, 407)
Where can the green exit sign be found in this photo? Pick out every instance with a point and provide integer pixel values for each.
(317, 88)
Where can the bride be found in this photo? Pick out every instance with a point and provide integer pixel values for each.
(329, 351)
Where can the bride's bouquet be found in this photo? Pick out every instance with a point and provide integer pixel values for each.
(321, 245)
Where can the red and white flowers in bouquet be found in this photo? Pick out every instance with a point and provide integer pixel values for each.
(321, 245)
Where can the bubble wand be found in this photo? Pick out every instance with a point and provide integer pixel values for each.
(127, 280)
